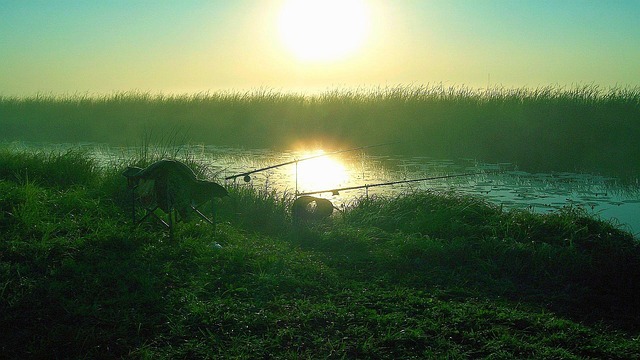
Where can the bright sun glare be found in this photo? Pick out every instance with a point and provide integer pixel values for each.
(322, 173)
(323, 30)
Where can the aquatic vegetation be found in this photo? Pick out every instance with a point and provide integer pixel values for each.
(582, 128)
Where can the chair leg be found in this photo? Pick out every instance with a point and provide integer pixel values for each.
(165, 223)
(151, 212)
(211, 221)
(171, 223)
(133, 207)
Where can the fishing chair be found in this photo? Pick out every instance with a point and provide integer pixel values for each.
(171, 197)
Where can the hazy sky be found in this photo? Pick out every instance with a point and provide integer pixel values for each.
(66, 47)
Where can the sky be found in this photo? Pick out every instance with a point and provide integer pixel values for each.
(189, 46)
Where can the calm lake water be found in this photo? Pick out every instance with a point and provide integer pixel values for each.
(500, 183)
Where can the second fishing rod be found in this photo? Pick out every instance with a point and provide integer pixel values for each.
(388, 183)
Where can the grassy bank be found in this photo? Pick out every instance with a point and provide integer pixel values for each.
(553, 128)
(423, 275)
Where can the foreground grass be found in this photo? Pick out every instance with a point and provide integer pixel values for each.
(424, 275)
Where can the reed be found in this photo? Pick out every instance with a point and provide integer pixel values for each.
(581, 128)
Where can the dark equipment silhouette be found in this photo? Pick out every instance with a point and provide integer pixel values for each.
(171, 186)
(310, 208)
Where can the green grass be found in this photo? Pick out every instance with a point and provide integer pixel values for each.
(63, 169)
(418, 276)
(583, 128)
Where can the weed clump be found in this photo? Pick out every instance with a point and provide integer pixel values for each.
(60, 169)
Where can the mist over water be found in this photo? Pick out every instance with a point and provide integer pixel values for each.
(577, 129)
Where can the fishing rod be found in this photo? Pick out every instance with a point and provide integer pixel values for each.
(247, 178)
(336, 191)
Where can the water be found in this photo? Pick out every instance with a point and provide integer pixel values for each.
(500, 183)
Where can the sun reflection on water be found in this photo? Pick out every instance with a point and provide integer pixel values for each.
(319, 173)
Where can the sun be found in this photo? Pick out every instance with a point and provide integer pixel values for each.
(323, 30)
(319, 173)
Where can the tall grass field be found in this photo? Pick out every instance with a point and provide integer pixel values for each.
(582, 128)
(423, 275)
